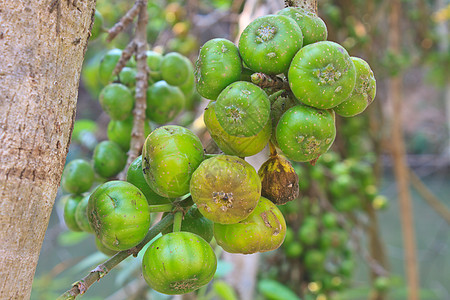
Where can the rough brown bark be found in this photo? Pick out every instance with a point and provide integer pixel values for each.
(40, 65)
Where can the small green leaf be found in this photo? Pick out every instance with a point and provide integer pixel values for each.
(273, 290)
(224, 290)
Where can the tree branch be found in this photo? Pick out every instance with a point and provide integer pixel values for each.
(140, 42)
(125, 20)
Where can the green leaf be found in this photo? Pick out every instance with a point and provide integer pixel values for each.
(273, 290)
(224, 290)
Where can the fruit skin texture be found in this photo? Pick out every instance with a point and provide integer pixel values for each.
(120, 132)
(81, 215)
(136, 177)
(119, 215)
(304, 133)
(243, 109)
(169, 157)
(78, 176)
(178, 263)
(174, 69)
(278, 108)
(235, 145)
(269, 43)
(263, 230)
(225, 188)
(103, 249)
(322, 75)
(312, 26)
(109, 159)
(363, 93)
(195, 222)
(279, 182)
(218, 65)
(164, 102)
(117, 101)
(71, 203)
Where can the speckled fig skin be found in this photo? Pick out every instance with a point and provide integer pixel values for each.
(178, 263)
(269, 43)
(278, 108)
(243, 109)
(119, 215)
(312, 26)
(218, 65)
(225, 188)
(363, 93)
(234, 145)
(322, 75)
(304, 133)
(263, 230)
(169, 157)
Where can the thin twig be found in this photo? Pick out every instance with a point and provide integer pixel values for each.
(137, 133)
(125, 20)
(81, 286)
(127, 53)
(270, 81)
(440, 208)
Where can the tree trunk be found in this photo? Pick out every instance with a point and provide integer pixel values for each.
(42, 46)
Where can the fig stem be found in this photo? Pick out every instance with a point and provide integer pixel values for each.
(108, 265)
(161, 208)
(178, 219)
(273, 150)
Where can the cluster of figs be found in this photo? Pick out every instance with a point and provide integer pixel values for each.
(307, 81)
(283, 83)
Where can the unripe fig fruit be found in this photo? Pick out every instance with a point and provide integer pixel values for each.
(178, 263)
(363, 93)
(135, 176)
(225, 188)
(269, 43)
(107, 65)
(70, 206)
(304, 133)
(78, 176)
(169, 157)
(117, 101)
(174, 68)
(164, 102)
(243, 109)
(263, 230)
(119, 214)
(81, 215)
(322, 75)
(109, 159)
(218, 65)
(312, 26)
(234, 145)
(119, 132)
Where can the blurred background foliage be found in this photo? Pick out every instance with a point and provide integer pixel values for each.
(347, 216)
